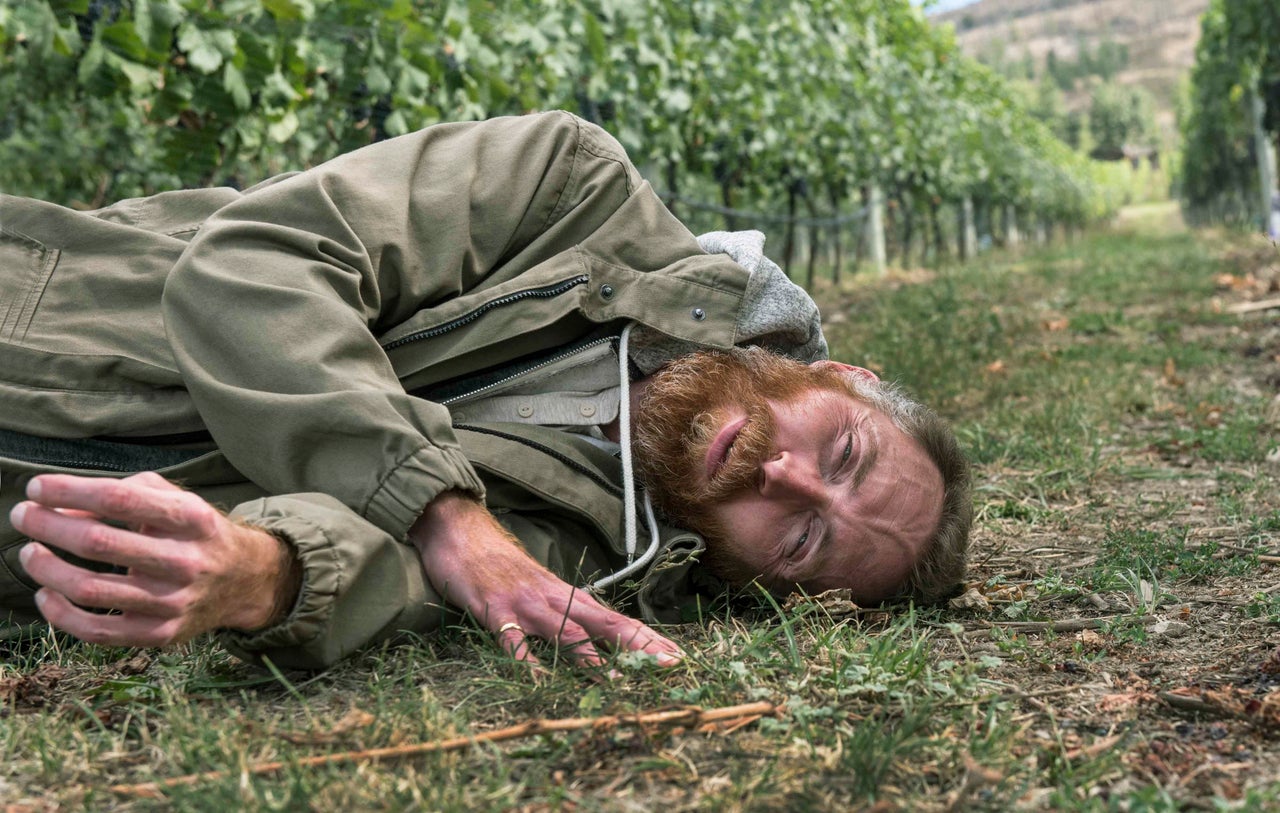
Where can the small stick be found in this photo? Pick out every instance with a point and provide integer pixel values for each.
(1213, 532)
(1189, 703)
(1015, 693)
(690, 717)
(1098, 601)
(1091, 751)
(1250, 307)
(1069, 625)
(728, 727)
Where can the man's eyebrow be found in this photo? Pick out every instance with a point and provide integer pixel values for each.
(870, 452)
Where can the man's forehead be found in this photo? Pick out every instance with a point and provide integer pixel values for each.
(835, 390)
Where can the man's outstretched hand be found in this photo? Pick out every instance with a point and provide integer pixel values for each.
(189, 569)
(477, 565)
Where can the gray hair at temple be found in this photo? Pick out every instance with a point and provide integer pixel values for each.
(941, 570)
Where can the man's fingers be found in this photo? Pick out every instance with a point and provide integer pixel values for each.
(643, 639)
(112, 630)
(626, 634)
(582, 652)
(134, 500)
(573, 641)
(569, 637)
(585, 622)
(90, 539)
(107, 591)
(152, 480)
(514, 641)
(72, 512)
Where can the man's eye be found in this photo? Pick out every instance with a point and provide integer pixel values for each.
(798, 545)
(848, 450)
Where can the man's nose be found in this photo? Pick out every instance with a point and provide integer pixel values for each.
(786, 477)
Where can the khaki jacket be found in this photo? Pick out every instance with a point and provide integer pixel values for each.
(292, 321)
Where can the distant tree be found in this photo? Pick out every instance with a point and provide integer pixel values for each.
(1084, 64)
(1046, 103)
(1075, 130)
(1109, 59)
(1028, 66)
(1119, 115)
(1059, 70)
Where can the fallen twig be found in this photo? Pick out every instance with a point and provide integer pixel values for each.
(1186, 702)
(1069, 625)
(1098, 601)
(1250, 307)
(1215, 532)
(1014, 693)
(689, 717)
(1091, 751)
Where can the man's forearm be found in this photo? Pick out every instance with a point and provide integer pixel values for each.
(459, 542)
(358, 584)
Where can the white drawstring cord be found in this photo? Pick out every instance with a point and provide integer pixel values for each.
(628, 477)
(645, 559)
(624, 434)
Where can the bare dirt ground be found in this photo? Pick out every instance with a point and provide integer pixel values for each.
(1178, 663)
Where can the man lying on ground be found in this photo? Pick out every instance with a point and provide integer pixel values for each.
(411, 374)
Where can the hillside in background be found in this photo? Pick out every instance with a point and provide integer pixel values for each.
(1077, 43)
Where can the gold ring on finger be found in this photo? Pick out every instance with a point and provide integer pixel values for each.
(511, 625)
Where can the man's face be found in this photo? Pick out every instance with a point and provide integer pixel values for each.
(791, 477)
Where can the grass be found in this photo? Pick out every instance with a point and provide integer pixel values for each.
(1166, 555)
(1120, 433)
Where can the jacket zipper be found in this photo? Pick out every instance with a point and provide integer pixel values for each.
(546, 292)
(85, 465)
(568, 461)
(545, 362)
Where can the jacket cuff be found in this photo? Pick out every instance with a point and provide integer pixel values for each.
(414, 482)
(321, 581)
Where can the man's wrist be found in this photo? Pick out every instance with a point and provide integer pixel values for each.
(287, 586)
(441, 516)
(281, 574)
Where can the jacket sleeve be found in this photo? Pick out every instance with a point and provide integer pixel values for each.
(273, 311)
(359, 585)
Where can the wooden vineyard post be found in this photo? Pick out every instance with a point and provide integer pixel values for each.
(875, 230)
(968, 232)
(1266, 165)
(1011, 235)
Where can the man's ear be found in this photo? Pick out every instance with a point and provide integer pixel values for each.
(840, 366)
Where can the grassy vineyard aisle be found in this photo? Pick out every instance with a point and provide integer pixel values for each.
(1118, 651)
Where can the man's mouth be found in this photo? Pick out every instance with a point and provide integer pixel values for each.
(718, 452)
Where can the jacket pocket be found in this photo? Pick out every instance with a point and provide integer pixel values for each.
(26, 266)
